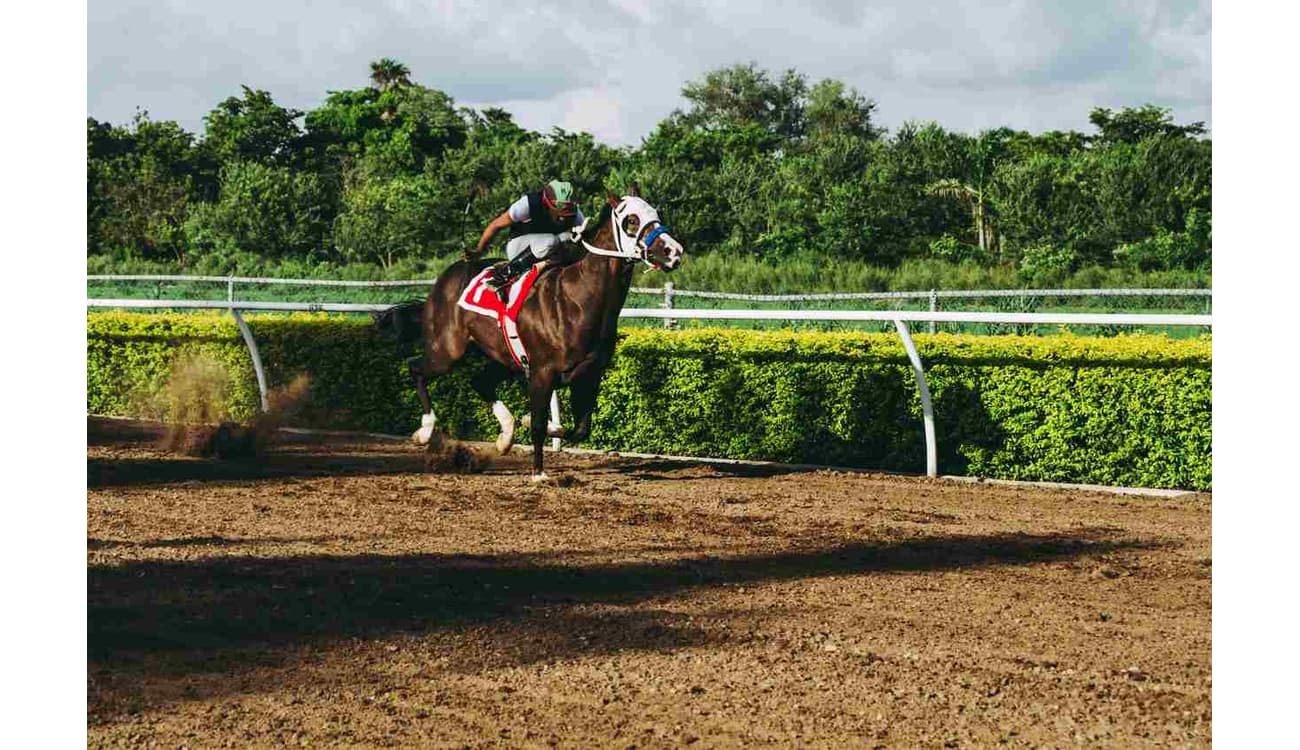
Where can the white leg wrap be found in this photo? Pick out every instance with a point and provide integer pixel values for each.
(507, 420)
(427, 424)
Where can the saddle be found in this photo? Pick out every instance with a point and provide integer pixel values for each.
(478, 297)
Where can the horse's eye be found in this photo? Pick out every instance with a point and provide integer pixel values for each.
(630, 225)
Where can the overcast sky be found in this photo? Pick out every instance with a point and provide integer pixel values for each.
(616, 67)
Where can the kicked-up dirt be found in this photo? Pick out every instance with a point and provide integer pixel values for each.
(335, 593)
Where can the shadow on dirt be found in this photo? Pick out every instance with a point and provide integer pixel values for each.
(116, 472)
(656, 469)
(170, 619)
(207, 541)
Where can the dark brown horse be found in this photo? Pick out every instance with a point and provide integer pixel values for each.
(567, 324)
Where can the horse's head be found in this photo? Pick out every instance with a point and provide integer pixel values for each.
(638, 233)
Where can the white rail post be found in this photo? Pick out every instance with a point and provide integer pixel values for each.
(668, 303)
(230, 289)
(257, 358)
(555, 418)
(934, 306)
(927, 409)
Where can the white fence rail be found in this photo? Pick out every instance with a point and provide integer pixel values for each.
(669, 292)
(900, 319)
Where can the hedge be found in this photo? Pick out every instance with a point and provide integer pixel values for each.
(1129, 410)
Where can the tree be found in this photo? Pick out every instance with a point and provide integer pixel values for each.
(833, 109)
(140, 183)
(386, 218)
(980, 159)
(253, 128)
(274, 212)
(401, 127)
(1135, 125)
(975, 199)
(744, 94)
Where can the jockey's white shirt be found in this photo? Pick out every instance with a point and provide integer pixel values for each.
(539, 244)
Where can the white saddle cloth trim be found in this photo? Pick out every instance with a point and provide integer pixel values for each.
(473, 294)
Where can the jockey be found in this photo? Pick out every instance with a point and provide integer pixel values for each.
(536, 221)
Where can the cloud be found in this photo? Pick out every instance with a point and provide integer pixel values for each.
(616, 67)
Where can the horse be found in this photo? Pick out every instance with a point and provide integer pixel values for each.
(568, 323)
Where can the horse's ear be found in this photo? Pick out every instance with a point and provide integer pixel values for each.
(611, 198)
(634, 189)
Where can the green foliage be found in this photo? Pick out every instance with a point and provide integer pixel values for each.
(836, 110)
(1188, 249)
(1046, 264)
(1131, 410)
(253, 128)
(140, 184)
(760, 165)
(1135, 125)
(744, 94)
(950, 248)
(385, 220)
(129, 358)
(274, 212)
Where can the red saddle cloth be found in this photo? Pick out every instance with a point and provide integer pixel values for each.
(479, 298)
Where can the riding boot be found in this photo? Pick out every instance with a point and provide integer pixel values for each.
(504, 274)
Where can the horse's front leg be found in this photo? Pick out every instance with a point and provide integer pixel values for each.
(486, 383)
(540, 386)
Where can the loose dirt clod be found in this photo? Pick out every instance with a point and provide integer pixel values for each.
(194, 402)
(453, 456)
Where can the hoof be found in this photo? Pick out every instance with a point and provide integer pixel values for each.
(538, 478)
(422, 435)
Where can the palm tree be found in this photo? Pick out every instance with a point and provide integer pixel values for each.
(387, 73)
(956, 189)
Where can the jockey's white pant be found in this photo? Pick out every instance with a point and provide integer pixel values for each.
(540, 245)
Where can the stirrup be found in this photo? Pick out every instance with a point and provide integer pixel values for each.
(499, 279)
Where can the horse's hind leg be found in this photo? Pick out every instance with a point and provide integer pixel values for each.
(486, 384)
(428, 421)
(437, 360)
(582, 398)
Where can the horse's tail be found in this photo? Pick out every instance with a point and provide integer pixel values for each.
(402, 321)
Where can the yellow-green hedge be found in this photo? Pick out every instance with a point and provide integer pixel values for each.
(1131, 410)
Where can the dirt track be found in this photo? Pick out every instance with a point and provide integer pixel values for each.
(336, 594)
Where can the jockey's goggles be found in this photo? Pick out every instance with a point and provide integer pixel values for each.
(564, 207)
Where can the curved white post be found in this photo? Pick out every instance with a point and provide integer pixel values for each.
(257, 358)
(927, 411)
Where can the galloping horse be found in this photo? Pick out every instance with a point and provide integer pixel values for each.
(568, 323)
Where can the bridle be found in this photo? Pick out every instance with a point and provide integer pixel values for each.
(635, 245)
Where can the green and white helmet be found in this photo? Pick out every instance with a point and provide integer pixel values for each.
(559, 195)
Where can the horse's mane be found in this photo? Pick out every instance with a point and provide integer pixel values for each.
(593, 227)
(573, 251)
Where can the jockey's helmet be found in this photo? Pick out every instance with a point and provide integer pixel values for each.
(558, 196)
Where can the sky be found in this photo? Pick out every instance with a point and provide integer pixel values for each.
(615, 68)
